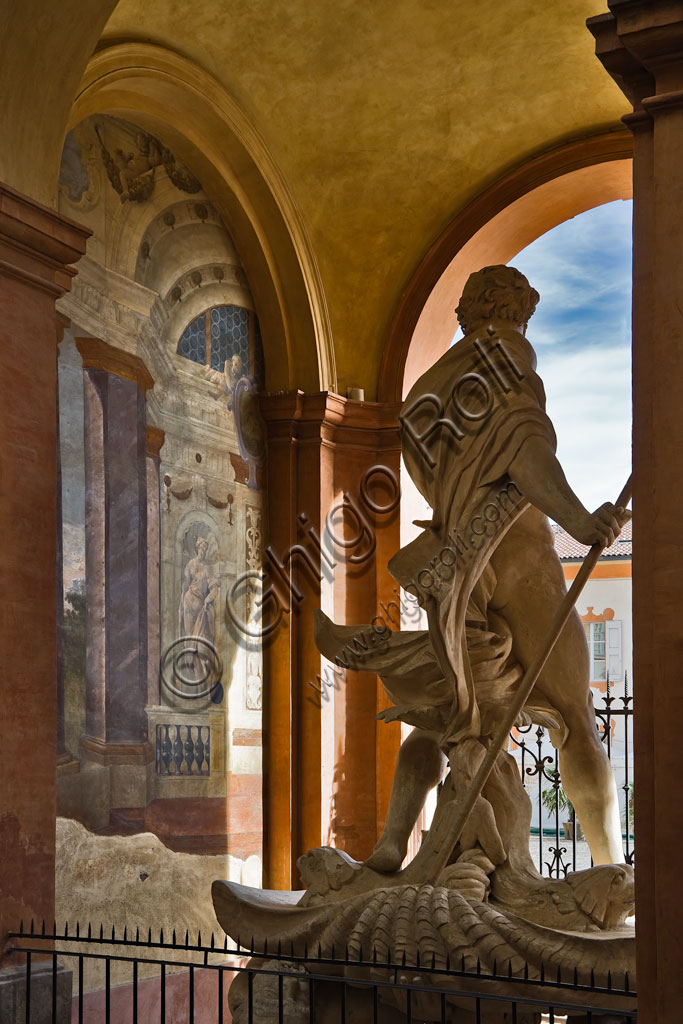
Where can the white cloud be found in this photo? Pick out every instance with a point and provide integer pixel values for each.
(589, 401)
(581, 332)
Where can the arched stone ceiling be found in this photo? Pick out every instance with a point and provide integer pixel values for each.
(385, 118)
(44, 48)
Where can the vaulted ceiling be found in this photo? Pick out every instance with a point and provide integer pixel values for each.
(383, 117)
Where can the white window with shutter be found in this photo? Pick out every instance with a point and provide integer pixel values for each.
(595, 637)
(604, 648)
(615, 666)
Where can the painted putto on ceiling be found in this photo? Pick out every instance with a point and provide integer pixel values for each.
(132, 170)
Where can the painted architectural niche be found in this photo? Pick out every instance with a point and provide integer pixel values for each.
(162, 452)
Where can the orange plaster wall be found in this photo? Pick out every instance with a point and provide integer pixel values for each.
(607, 570)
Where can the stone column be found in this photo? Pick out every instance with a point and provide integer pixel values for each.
(37, 247)
(155, 441)
(63, 755)
(115, 746)
(327, 762)
(641, 46)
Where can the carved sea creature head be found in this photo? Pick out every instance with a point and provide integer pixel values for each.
(501, 292)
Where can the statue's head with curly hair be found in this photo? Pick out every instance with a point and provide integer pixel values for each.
(500, 292)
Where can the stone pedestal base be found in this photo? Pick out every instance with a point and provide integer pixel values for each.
(112, 776)
(13, 994)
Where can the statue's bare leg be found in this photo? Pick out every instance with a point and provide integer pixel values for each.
(420, 767)
(529, 589)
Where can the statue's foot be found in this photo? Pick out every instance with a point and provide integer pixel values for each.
(387, 856)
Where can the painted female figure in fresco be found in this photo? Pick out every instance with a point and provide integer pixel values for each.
(201, 586)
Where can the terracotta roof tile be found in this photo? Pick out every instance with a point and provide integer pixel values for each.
(569, 549)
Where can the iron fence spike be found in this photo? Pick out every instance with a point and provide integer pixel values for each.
(125, 933)
(21, 927)
(199, 937)
(187, 938)
(43, 928)
(101, 931)
(66, 929)
(212, 941)
(161, 936)
(78, 929)
(32, 929)
(609, 981)
(113, 932)
(174, 940)
(626, 982)
(149, 936)
(137, 934)
(54, 927)
(89, 930)
(542, 972)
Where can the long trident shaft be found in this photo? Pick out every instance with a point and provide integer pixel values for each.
(531, 676)
(452, 825)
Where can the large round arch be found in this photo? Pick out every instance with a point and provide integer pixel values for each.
(171, 97)
(500, 222)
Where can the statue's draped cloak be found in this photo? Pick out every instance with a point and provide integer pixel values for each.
(487, 388)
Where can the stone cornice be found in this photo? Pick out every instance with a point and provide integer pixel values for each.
(627, 72)
(663, 103)
(98, 355)
(331, 419)
(155, 439)
(62, 323)
(37, 244)
(109, 305)
(640, 44)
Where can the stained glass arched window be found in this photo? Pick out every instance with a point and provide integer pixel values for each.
(220, 333)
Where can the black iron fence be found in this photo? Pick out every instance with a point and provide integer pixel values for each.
(557, 843)
(146, 979)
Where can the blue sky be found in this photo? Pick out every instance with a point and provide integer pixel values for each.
(581, 331)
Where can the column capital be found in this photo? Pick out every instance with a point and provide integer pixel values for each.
(634, 80)
(97, 355)
(37, 244)
(663, 103)
(640, 44)
(332, 418)
(155, 440)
